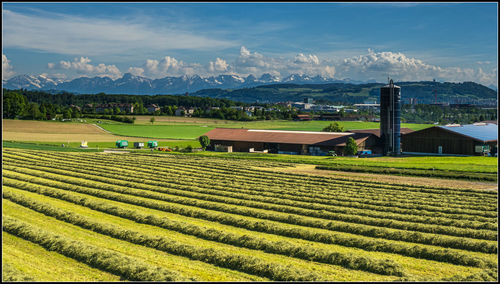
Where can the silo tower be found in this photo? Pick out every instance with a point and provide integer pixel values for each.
(390, 119)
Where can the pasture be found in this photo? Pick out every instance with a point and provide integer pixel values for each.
(164, 129)
(195, 218)
(314, 125)
(191, 128)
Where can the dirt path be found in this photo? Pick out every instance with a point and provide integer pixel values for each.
(408, 180)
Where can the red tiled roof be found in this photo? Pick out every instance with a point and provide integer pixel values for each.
(285, 137)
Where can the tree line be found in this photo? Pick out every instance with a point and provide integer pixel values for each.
(40, 105)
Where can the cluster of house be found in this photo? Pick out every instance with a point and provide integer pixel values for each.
(309, 105)
(124, 107)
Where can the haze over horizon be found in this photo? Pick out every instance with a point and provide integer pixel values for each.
(452, 42)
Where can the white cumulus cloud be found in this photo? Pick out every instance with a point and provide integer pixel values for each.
(7, 71)
(220, 65)
(167, 66)
(311, 59)
(82, 66)
(369, 66)
(380, 65)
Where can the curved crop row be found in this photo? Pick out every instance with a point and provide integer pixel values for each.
(360, 196)
(201, 177)
(277, 229)
(314, 181)
(104, 259)
(83, 173)
(377, 232)
(309, 178)
(283, 177)
(296, 208)
(415, 237)
(247, 264)
(351, 261)
(300, 208)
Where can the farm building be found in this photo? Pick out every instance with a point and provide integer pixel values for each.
(287, 142)
(152, 108)
(376, 132)
(182, 111)
(471, 139)
(303, 117)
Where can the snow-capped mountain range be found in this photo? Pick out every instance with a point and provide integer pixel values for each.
(130, 84)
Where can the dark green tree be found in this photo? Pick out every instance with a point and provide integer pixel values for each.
(14, 104)
(204, 141)
(33, 112)
(351, 148)
(333, 127)
(67, 114)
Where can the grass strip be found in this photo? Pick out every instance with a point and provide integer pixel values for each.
(413, 172)
(11, 274)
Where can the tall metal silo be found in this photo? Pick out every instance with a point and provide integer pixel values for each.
(390, 119)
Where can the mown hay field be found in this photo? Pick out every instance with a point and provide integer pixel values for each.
(194, 218)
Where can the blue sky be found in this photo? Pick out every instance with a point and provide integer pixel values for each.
(361, 41)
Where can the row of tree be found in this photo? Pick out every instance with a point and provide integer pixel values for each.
(40, 105)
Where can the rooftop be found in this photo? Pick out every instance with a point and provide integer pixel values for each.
(286, 137)
(479, 131)
(376, 132)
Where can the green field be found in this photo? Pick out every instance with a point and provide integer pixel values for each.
(93, 146)
(194, 218)
(184, 130)
(157, 131)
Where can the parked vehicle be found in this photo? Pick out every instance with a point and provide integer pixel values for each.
(122, 144)
(332, 153)
(152, 144)
(364, 153)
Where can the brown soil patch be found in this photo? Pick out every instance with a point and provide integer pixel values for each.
(44, 131)
(408, 180)
(30, 126)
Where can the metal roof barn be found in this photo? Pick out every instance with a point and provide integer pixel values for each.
(480, 131)
(471, 139)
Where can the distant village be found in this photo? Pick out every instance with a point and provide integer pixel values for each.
(333, 112)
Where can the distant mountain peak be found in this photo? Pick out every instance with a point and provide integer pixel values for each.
(133, 84)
